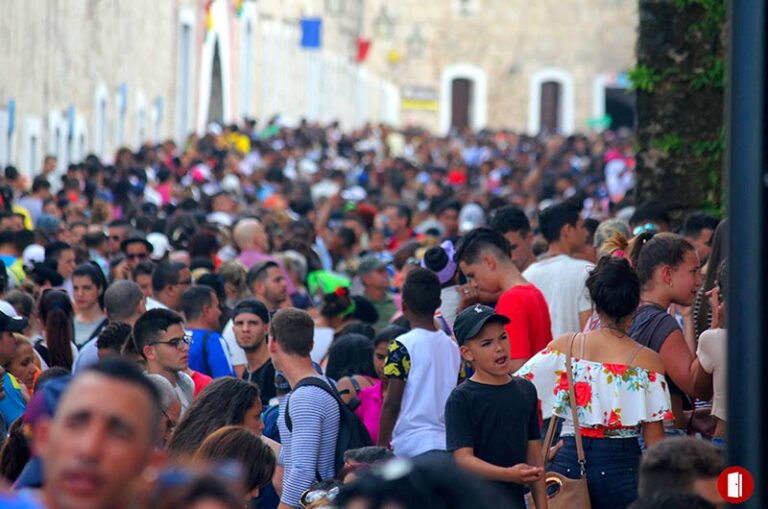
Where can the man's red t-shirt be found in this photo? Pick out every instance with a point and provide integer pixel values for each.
(529, 329)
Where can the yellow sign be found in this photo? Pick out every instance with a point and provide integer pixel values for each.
(419, 104)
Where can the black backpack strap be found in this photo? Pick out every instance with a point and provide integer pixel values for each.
(206, 364)
(312, 381)
(98, 329)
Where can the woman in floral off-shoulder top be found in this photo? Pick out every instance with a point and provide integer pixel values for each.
(619, 385)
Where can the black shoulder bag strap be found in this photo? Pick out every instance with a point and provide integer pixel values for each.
(98, 329)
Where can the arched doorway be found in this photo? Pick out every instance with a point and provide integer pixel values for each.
(551, 103)
(612, 97)
(463, 98)
(216, 98)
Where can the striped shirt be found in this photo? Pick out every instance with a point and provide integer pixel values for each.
(310, 449)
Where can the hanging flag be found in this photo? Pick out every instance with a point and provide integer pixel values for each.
(363, 45)
(311, 29)
(208, 16)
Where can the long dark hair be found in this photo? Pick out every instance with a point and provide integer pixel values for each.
(57, 314)
(94, 273)
(223, 402)
(350, 354)
(716, 258)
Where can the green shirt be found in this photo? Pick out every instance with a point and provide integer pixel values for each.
(386, 309)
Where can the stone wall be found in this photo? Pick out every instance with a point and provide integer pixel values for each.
(509, 41)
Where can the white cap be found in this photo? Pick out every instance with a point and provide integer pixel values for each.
(221, 218)
(7, 309)
(230, 183)
(354, 193)
(33, 253)
(471, 216)
(160, 245)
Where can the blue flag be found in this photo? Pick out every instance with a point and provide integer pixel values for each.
(311, 29)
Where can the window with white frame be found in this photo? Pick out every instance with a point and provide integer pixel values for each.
(100, 119)
(121, 107)
(184, 82)
(246, 70)
(5, 139)
(31, 146)
(157, 119)
(466, 7)
(141, 119)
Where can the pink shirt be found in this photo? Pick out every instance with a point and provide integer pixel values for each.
(371, 400)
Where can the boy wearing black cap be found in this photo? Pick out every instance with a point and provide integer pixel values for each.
(492, 419)
(250, 321)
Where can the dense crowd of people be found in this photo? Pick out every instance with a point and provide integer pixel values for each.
(305, 317)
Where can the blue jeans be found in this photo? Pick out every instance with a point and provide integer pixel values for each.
(612, 469)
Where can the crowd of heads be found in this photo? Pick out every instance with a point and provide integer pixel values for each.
(277, 233)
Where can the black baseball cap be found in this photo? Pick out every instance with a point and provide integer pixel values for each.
(471, 321)
(136, 238)
(252, 306)
(12, 323)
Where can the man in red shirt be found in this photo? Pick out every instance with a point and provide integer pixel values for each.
(483, 257)
(399, 225)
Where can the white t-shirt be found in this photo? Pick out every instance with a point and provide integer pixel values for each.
(153, 303)
(236, 354)
(432, 374)
(561, 279)
(712, 353)
(322, 342)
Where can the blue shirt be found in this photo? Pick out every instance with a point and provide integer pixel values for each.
(12, 405)
(217, 354)
(87, 356)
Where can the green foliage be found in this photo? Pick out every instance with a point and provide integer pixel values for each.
(715, 12)
(711, 149)
(644, 78)
(669, 143)
(710, 74)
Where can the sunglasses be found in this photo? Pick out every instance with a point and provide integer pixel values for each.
(311, 496)
(186, 339)
(136, 256)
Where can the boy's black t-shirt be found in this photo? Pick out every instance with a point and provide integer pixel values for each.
(496, 421)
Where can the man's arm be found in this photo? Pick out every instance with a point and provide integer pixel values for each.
(521, 473)
(396, 369)
(390, 410)
(538, 485)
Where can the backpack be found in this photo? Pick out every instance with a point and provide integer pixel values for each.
(352, 432)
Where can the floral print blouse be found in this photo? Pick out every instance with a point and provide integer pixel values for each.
(612, 400)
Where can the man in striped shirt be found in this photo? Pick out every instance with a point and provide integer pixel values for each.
(309, 447)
